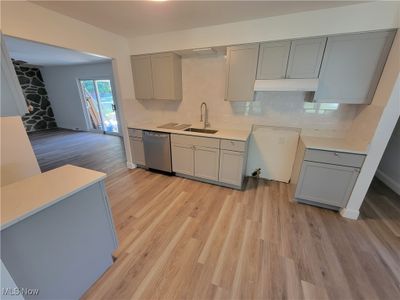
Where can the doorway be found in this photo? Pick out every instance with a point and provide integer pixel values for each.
(98, 98)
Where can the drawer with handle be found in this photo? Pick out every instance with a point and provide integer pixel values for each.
(233, 145)
(181, 139)
(335, 158)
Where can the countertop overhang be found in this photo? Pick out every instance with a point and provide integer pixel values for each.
(333, 144)
(24, 198)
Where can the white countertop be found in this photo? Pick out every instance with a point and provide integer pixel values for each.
(333, 144)
(24, 198)
(229, 134)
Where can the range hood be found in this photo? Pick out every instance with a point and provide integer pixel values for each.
(286, 85)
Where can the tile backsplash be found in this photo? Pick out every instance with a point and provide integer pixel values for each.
(203, 79)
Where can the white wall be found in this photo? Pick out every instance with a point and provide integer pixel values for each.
(26, 20)
(32, 22)
(17, 158)
(389, 168)
(12, 98)
(354, 18)
(62, 87)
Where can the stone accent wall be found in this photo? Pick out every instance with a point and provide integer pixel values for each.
(41, 115)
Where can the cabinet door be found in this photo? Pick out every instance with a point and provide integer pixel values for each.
(137, 149)
(167, 76)
(182, 159)
(241, 72)
(352, 66)
(305, 58)
(206, 163)
(273, 60)
(325, 183)
(231, 167)
(142, 79)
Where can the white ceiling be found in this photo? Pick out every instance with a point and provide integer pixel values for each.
(137, 18)
(44, 55)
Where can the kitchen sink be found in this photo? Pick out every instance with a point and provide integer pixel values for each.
(201, 130)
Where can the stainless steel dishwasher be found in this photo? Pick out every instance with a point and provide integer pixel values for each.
(157, 150)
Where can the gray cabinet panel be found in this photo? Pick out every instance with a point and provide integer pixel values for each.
(273, 60)
(157, 76)
(327, 184)
(231, 167)
(206, 163)
(305, 58)
(241, 72)
(167, 76)
(137, 149)
(182, 159)
(63, 249)
(142, 78)
(335, 158)
(352, 66)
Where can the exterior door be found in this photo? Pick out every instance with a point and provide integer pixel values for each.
(100, 105)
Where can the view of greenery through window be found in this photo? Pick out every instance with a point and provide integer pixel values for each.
(100, 92)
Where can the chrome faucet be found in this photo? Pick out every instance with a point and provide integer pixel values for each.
(206, 124)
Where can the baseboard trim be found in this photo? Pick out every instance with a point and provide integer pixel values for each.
(393, 185)
(349, 213)
(130, 165)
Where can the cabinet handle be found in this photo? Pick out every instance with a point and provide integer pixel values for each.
(336, 154)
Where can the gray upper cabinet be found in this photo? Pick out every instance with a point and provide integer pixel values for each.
(241, 72)
(273, 60)
(305, 58)
(142, 76)
(157, 76)
(352, 66)
(167, 76)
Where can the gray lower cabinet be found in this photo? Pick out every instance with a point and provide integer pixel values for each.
(64, 248)
(182, 159)
(241, 68)
(325, 178)
(325, 183)
(231, 167)
(137, 147)
(352, 66)
(210, 159)
(206, 163)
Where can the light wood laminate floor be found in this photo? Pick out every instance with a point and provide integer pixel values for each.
(182, 239)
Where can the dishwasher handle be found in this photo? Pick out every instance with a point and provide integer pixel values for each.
(156, 134)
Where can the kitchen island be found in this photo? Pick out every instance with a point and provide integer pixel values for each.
(57, 232)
